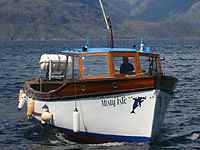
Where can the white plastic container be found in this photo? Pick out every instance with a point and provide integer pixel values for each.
(58, 62)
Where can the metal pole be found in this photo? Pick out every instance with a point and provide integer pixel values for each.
(104, 15)
(40, 81)
(66, 67)
(108, 25)
(50, 63)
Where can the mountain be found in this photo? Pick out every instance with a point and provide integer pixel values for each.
(48, 19)
(70, 19)
(163, 18)
(156, 10)
(191, 15)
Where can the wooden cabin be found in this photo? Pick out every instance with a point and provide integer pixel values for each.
(98, 72)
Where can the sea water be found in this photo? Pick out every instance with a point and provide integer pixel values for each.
(19, 61)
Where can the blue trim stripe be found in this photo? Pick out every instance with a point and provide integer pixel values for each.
(93, 50)
(106, 50)
(96, 50)
(87, 137)
(118, 138)
(94, 138)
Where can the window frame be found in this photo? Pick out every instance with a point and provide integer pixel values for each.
(82, 77)
(154, 58)
(132, 62)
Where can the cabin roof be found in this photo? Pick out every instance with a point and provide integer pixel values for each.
(96, 50)
(106, 50)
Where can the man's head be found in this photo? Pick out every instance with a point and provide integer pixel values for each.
(125, 60)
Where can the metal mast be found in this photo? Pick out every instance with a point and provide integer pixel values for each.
(108, 25)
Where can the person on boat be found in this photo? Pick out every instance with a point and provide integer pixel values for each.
(126, 67)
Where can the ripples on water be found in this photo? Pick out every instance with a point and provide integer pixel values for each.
(19, 62)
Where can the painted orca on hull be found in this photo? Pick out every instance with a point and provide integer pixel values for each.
(137, 102)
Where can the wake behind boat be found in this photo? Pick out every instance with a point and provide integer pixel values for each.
(98, 95)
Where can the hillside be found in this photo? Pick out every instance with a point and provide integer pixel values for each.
(154, 10)
(161, 19)
(48, 19)
(191, 15)
(70, 19)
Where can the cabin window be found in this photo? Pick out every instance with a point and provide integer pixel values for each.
(149, 64)
(72, 68)
(95, 66)
(124, 65)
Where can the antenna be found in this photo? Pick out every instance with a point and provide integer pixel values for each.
(141, 45)
(108, 25)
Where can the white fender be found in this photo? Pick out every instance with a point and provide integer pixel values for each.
(30, 107)
(46, 116)
(76, 121)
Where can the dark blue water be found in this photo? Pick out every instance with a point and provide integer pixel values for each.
(19, 62)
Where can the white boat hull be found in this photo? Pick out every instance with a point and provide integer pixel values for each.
(125, 117)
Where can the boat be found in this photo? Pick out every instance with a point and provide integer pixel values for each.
(99, 95)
